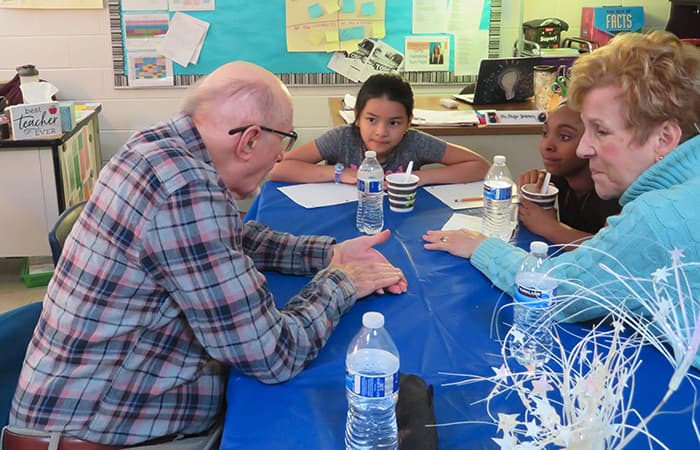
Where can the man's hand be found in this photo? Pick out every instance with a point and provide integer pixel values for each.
(366, 267)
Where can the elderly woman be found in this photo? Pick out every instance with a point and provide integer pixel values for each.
(639, 98)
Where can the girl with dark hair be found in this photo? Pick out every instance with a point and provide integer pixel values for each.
(383, 114)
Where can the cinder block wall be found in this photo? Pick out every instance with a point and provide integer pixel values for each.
(72, 49)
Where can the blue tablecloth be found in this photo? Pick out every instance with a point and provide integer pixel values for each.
(446, 322)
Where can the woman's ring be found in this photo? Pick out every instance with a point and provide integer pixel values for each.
(443, 238)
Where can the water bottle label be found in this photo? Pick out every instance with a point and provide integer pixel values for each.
(372, 387)
(370, 187)
(532, 297)
(497, 193)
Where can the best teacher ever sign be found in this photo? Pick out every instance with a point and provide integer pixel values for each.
(35, 121)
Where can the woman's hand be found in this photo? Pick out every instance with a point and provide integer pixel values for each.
(457, 242)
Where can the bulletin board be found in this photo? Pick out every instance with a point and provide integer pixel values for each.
(256, 32)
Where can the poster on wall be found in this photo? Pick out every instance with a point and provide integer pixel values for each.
(145, 31)
(370, 57)
(330, 25)
(192, 5)
(427, 53)
(149, 69)
(53, 4)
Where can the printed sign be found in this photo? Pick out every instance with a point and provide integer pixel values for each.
(35, 121)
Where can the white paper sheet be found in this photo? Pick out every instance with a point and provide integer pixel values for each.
(315, 195)
(460, 221)
(463, 196)
(184, 38)
(453, 195)
(144, 5)
(429, 117)
(471, 223)
(429, 16)
(192, 5)
(447, 117)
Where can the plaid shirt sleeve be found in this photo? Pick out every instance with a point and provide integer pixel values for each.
(197, 247)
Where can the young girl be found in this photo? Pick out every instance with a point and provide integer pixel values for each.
(383, 113)
(581, 212)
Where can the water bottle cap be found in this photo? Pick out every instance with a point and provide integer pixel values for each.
(538, 247)
(373, 320)
(27, 70)
(370, 154)
(499, 159)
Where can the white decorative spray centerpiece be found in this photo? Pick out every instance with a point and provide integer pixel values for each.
(582, 398)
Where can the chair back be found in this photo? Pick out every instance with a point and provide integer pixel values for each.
(60, 230)
(16, 330)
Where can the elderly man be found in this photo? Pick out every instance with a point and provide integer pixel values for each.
(159, 289)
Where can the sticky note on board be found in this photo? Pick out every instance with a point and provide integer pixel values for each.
(350, 46)
(378, 30)
(349, 33)
(315, 11)
(315, 37)
(348, 6)
(332, 36)
(368, 9)
(331, 6)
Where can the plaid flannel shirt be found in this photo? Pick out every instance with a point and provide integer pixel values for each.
(158, 292)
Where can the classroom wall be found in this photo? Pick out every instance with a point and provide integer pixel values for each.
(72, 49)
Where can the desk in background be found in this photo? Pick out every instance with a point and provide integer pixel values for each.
(519, 143)
(443, 323)
(39, 178)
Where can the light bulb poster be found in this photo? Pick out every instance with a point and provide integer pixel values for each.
(427, 53)
(506, 79)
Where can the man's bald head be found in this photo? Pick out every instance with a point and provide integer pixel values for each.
(240, 93)
(252, 102)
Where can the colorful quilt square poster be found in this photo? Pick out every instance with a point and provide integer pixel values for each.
(148, 69)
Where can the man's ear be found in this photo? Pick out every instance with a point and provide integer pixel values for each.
(668, 137)
(246, 144)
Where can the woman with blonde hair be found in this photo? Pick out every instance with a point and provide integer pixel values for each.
(639, 98)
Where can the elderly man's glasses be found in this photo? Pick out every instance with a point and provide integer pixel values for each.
(288, 139)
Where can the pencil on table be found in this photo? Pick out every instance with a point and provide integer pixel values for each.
(468, 199)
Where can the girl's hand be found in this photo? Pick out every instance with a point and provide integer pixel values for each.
(349, 176)
(531, 176)
(537, 219)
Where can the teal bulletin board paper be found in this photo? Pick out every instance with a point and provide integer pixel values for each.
(255, 32)
(238, 30)
(485, 15)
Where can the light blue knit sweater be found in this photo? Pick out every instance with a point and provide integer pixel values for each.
(661, 212)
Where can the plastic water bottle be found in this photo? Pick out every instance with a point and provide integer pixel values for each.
(498, 190)
(372, 387)
(531, 338)
(370, 195)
